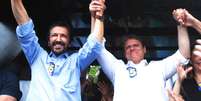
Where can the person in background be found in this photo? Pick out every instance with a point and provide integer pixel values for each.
(187, 86)
(183, 17)
(174, 95)
(9, 86)
(106, 91)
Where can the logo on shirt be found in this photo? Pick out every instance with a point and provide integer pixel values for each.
(51, 68)
(132, 71)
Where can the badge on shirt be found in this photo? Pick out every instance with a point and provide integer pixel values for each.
(132, 71)
(51, 68)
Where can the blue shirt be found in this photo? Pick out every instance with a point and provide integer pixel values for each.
(63, 84)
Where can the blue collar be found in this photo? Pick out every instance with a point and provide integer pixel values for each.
(64, 55)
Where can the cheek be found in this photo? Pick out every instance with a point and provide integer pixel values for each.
(127, 54)
(50, 42)
(137, 54)
(50, 45)
(64, 39)
(199, 67)
(51, 39)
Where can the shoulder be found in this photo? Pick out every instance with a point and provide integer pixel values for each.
(154, 62)
(189, 81)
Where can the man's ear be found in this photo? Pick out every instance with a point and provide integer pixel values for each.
(48, 43)
(48, 40)
(145, 50)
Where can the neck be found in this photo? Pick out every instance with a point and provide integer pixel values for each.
(136, 62)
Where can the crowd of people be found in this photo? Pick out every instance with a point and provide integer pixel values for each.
(55, 75)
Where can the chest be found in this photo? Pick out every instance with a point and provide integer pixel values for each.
(146, 77)
(60, 73)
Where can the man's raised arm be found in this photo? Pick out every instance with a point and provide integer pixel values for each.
(19, 11)
(183, 41)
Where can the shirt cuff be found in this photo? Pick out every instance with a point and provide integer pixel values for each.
(95, 44)
(25, 28)
(103, 42)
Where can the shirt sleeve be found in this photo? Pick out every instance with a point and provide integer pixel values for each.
(109, 63)
(170, 64)
(88, 53)
(10, 85)
(28, 40)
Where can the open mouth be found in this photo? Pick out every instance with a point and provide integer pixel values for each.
(58, 46)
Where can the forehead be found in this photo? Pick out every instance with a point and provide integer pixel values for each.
(132, 41)
(195, 58)
(59, 29)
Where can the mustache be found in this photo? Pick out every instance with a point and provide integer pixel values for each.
(58, 42)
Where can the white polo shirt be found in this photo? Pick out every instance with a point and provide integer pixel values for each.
(139, 82)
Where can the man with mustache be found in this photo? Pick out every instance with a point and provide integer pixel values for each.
(55, 76)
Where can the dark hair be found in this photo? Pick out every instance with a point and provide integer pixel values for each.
(192, 47)
(191, 74)
(60, 24)
(133, 37)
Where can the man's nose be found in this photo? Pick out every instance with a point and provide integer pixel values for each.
(132, 47)
(58, 38)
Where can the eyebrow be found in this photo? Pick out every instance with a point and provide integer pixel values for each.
(58, 33)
